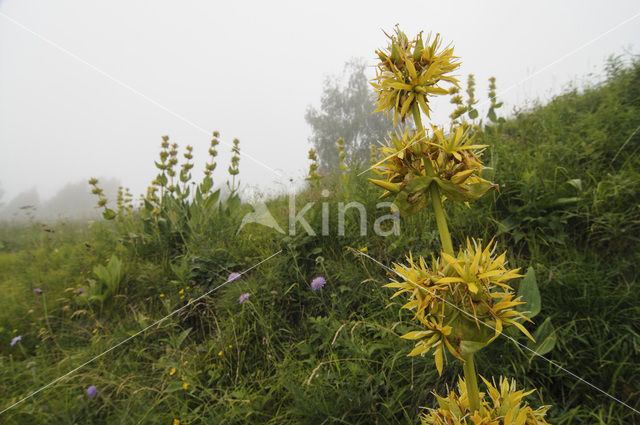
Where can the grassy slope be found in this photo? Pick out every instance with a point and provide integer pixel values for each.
(568, 206)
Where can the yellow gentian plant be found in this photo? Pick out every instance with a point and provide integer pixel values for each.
(462, 299)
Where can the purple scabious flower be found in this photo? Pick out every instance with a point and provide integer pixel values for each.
(92, 391)
(243, 297)
(38, 291)
(80, 290)
(233, 276)
(15, 340)
(318, 283)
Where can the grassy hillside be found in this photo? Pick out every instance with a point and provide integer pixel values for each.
(568, 205)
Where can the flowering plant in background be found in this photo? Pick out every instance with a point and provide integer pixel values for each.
(243, 297)
(92, 391)
(462, 300)
(38, 291)
(15, 340)
(233, 276)
(318, 283)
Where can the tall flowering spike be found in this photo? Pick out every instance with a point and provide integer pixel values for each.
(410, 71)
(211, 165)
(342, 155)
(313, 167)
(475, 286)
(235, 159)
(462, 300)
(456, 99)
(373, 159)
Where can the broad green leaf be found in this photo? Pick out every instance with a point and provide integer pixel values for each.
(565, 201)
(467, 347)
(182, 337)
(108, 214)
(545, 336)
(529, 293)
(418, 184)
(577, 183)
(173, 387)
(409, 204)
(492, 115)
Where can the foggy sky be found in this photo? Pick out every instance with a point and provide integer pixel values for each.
(248, 70)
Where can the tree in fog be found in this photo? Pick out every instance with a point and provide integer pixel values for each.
(346, 111)
(22, 206)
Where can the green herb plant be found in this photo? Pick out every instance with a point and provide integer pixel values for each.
(175, 209)
(462, 298)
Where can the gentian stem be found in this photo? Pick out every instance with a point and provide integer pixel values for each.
(447, 246)
(436, 198)
(441, 221)
(471, 381)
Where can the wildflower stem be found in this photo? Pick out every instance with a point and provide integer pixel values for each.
(417, 119)
(471, 381)
(441, 221)
(46, 318)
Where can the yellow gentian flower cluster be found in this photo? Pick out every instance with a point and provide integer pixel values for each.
(506, 406)
(463, 302)
(413, 162)
(409, 72)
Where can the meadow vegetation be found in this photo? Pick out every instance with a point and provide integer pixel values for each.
(568, 206)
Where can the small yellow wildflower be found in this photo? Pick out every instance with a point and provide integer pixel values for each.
(181, 291)
(363, 249)
(220, 353)
(176, 422)
(185, 363)
(185, 385)
(94, 331)
(161, 295)
(15, 330)
(188, 287)
(230, 346)
(108, 260)
(181, 297)
(173, 370)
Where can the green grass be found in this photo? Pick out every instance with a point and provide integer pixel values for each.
(568, 206)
